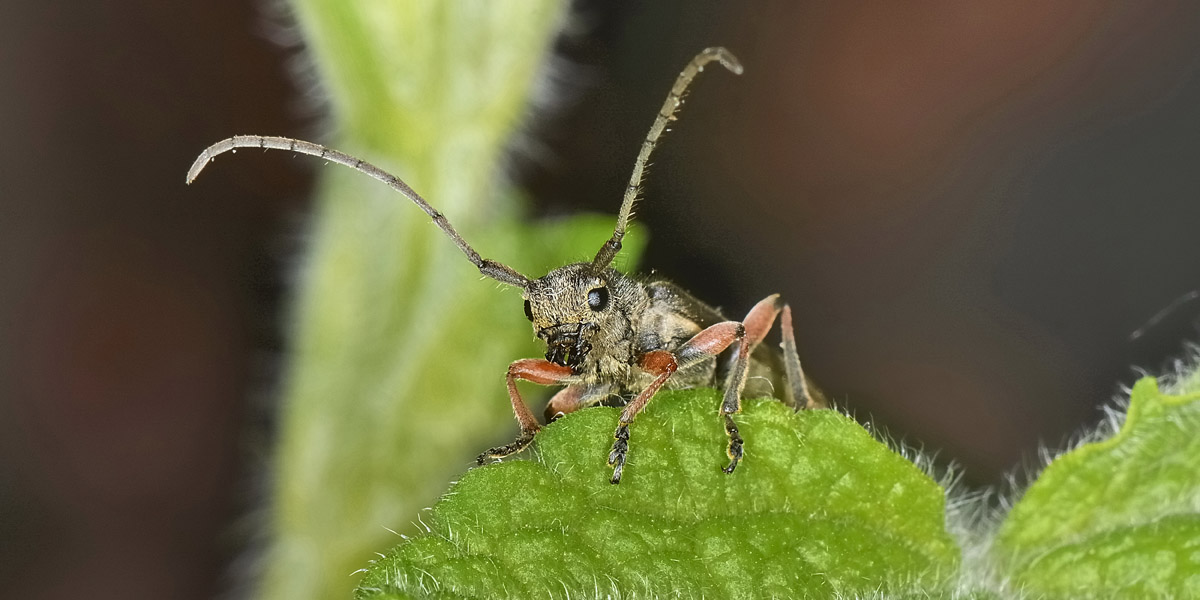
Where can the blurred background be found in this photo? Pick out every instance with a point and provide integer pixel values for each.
(970, 207)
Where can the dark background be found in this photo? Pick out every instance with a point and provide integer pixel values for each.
(970, 207)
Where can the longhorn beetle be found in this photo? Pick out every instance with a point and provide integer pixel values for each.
(608, 334)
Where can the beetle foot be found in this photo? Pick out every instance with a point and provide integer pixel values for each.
(735, 444)
(500, 452)
(616, 458)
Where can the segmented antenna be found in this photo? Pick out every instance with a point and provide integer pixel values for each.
(667, 113)
(500, 272)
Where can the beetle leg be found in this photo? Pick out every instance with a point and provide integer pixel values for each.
(573, 398)
(800, 395)
(757, 323)
(662, 364)
(529, 369)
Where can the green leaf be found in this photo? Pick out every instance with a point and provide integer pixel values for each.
(1118, 518)
(818, 509)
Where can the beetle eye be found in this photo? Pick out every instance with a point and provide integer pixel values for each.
(598, 299)
(528, 311)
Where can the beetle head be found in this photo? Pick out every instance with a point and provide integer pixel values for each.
(568, 307)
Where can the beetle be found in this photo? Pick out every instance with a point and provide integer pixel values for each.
(609, 334)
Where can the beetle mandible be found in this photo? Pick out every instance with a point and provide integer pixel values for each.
(608, 334)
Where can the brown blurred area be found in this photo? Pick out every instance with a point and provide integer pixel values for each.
(970, 205)
(137, 315)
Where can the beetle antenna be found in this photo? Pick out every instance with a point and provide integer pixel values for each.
(665, 114)
(498, 271)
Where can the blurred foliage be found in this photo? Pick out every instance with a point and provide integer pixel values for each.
(398, 347)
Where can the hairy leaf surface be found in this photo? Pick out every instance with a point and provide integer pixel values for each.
(1118, 518)
(819, 508)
